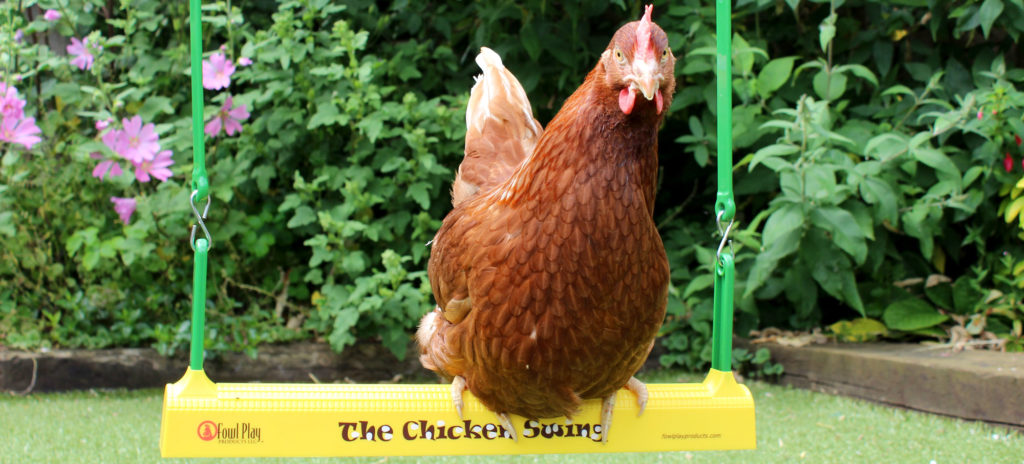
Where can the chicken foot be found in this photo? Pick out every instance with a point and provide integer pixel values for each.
(459, 386)
(634, 385)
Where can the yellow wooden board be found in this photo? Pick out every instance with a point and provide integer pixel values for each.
(203, 419)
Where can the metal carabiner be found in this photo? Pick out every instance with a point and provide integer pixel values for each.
(200, 220)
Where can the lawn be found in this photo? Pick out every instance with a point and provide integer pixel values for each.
(792, 425)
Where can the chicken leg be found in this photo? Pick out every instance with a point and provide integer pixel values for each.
(459, 386)
(638, 388)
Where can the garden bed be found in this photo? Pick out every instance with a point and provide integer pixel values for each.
(976, 385)
(62, 370)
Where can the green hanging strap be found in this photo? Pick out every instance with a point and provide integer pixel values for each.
(200, 191)
(725, 207)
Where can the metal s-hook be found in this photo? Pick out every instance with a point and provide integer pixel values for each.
(725, 236)
(200, 220)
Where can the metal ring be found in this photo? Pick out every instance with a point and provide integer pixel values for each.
(199, 220)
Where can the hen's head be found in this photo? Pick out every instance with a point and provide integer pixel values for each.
(638, 59)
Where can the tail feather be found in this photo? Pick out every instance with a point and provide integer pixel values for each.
(500, 129)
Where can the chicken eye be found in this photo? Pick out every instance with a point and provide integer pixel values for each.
(664, 55)
(620, 57)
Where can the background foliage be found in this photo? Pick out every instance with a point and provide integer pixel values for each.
(872, 139)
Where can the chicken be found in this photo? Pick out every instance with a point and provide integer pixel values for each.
(549, 274)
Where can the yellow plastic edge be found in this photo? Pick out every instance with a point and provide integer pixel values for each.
(204, 419)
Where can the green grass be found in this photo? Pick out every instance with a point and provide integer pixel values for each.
(792, 425)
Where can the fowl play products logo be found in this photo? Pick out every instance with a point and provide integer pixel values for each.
(239, 433)
(464, 430)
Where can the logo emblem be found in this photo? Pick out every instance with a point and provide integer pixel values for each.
(207, 430)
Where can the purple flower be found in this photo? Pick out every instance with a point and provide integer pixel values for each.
(137, 142)
(227, 118)
(83, 55)
(217, 72)
(124, 207)
(11, 106)
(109, 168)
(18, 35)
(157, 167)
(51, 15)
(20, 131)
(244, 61)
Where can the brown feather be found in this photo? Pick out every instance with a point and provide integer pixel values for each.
(551, 243)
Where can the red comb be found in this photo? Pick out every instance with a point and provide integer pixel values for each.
(644, 47)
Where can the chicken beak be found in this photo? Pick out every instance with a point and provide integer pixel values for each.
(646, 80)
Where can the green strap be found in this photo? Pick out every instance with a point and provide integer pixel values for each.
(198, 306)
(725, 207)
(200, 188)
(200, 182)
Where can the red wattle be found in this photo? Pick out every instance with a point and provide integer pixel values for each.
(626, 99)
(660, 101)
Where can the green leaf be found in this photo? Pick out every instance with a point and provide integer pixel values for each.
(701, 282)
(820, 183)
(774, 75)
(155, 106)
(7, 224)
(860, 71)
(988, 13)
(419, 193)
(912, 314)
(964, 296)
(937, 160)
(326, 114)
(878, 192)
(858, 330)
(303, 215)
(784, 220)
(827, 31)
(771, 151)
(844, 229)
(695, 126)
(531, 43)
(371, 126)
(829, 89)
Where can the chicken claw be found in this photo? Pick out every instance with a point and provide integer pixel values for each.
(640, 390)
(458, 386)
(634, 385)
(506, 422)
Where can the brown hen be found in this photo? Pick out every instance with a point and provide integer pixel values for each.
(550, 276)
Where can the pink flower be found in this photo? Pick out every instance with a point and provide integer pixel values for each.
(51, 15)
(137, 142)
(124, 207)
(980, 113)
(83, 55)
(102, 124)
(1008, 162)
(217, 72)
(157, 167)
(106, 167)
(227, 118)
(10, 105)
(244, 61)
(20, 131)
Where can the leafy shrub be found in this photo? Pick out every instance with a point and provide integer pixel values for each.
(861, 164)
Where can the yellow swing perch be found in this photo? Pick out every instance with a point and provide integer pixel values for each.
(206, 419)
